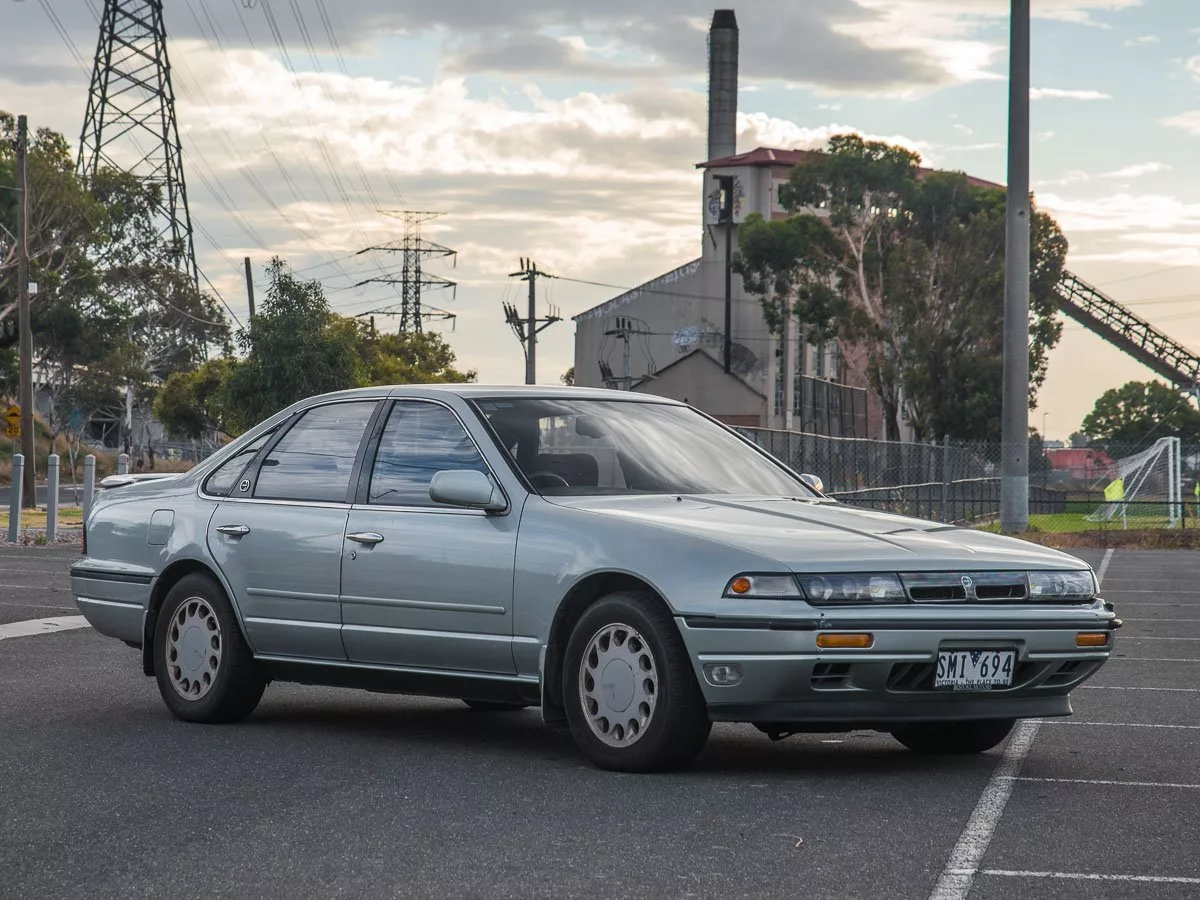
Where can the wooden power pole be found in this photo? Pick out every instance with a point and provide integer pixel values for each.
(26, 386)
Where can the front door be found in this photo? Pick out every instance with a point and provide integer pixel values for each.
(426, 585)
(277, 536)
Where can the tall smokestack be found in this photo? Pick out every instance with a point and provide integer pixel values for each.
(722, 84)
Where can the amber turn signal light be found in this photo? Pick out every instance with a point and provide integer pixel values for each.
(844, 641)
(740, 585)
(1092, 639)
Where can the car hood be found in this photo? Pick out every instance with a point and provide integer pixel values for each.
(809, 536)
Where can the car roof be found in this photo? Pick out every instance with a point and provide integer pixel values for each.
(528, 390)
(476, 391)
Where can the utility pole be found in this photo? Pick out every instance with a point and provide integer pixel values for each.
(528, 328)
(624, 328)
(26, 338)
(249, 286)
(1014, 436)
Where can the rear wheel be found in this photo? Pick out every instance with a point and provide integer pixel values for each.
(953, 737)
(205, 669)
(630, 695)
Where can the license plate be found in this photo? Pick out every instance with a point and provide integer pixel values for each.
(974, 670)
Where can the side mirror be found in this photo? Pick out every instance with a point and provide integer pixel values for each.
(468, 488)
(814, 482)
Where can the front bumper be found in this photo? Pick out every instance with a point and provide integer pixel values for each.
(786, 678)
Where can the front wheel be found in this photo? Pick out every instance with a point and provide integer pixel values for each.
(205, 669)
(954, 737)
(631, 698)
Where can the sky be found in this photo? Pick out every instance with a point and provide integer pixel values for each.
(567, 133)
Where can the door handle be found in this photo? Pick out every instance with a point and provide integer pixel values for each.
(370, 538)
(234, 530)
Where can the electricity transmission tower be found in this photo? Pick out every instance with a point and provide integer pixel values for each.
(413, 279)
(130, 120)
(529, 327)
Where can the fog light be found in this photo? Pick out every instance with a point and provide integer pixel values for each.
(723, 674)
(1092, 639)
(844, 641)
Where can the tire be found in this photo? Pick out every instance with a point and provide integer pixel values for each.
(646, 647)
(494, 706)
(226, 692)
(954, 737)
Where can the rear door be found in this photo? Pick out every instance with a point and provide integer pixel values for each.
(426, 585)
(278, 536)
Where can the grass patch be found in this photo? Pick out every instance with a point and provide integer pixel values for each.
(68, 517)
(1070, 523)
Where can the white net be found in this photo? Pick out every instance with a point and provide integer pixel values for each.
(1143, 490)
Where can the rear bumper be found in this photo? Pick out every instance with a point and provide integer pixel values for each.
(787, 679)
(114, 604)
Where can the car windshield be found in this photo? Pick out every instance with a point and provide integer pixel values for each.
(568, 447)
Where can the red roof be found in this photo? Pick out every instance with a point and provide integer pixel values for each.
(771, 156)
(1079, 458)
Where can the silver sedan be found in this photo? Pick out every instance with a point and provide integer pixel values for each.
(624, 562)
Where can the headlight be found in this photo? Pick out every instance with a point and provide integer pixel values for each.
(853, 588)
(763, 587)
(1061, 585)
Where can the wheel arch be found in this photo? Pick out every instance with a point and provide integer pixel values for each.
(585, 592)
(167, 579)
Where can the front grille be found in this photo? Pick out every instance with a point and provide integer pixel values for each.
(965, 587)
(1071, 672)
(830, 676)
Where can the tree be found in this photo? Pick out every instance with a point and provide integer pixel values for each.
(904, 270)
(190, 403)
(1139, 412)
(410, 358)
(295, 347)
(1080, 439)
(568, 377)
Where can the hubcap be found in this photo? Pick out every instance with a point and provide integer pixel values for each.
(618, 685)
(193, 648)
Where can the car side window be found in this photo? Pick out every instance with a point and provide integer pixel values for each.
(419, 440)
(222, 479)
(314, 460)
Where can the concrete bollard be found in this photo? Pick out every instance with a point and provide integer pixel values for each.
(52, 497)
(14, 502)
(89, 484)
(123, 464)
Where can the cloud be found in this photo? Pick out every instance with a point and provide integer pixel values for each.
(1061, 94)
(1123, 213)
(1143, 40)
(1137, 170)
(1074, 176)
(1044, 136)
(1193, 66)
(1188, 121)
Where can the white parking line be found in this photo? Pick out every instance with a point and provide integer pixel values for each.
(1093, 876)
(1153, 638)
(41, 626)
(1120, 724)
(1100, 781)
(1113, 687)
(1147, 659)
(959, 873)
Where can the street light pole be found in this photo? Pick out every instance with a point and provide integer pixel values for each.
(1014, 427)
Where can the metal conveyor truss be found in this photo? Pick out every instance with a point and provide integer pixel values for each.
(1096, 311)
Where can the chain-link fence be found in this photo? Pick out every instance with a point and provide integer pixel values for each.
(1151, 485)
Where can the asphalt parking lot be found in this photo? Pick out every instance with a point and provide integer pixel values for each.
(326, 793)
